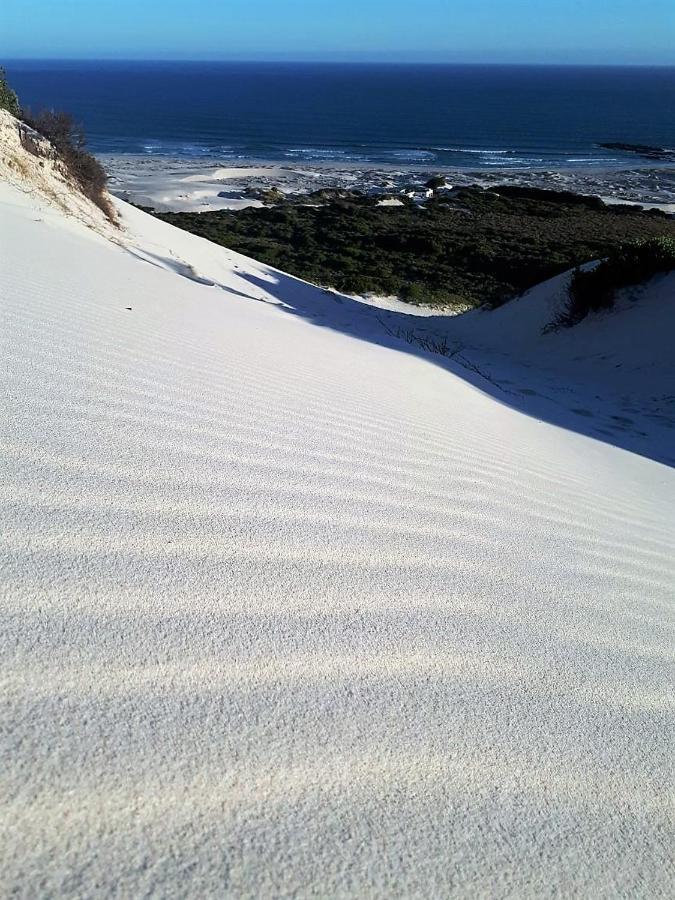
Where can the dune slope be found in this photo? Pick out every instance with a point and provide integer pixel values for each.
(290, 613)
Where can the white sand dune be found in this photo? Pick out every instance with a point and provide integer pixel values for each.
(612, 376)
(180, 187)
(292, 610)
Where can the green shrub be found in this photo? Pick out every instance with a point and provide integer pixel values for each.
(70, 143)
(8, 98)
(631, 263)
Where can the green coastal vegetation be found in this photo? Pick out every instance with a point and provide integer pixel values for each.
(460, 248)
(8, 98)
(630, 264)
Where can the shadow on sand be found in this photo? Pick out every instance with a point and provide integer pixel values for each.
(542, 395)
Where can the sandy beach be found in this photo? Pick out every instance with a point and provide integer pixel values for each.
(183, 185)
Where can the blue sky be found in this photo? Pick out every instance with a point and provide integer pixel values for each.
(536, 31)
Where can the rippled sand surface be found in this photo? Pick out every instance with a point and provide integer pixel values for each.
(286, 612)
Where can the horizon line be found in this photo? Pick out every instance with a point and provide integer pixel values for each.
(350, 62)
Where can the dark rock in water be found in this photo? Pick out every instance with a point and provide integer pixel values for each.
(642, 150)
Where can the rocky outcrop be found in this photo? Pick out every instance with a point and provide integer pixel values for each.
(659, 153)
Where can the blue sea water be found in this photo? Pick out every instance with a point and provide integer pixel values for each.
(435, 115)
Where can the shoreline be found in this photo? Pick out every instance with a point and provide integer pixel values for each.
(178, 184)
(215, 160)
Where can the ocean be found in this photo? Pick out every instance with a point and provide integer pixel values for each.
(478, 117)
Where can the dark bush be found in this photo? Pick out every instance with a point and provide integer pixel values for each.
(544, 195)
(70, 143)
(491, 249)
(631, 263)
(438, 181)
(8, 99)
